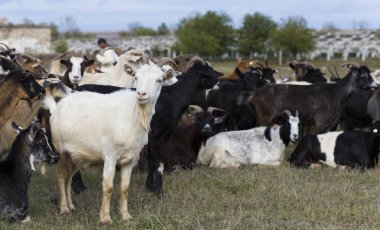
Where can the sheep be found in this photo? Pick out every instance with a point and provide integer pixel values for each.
(356, 149)
(261, 145)
(104, 136)
(30, 145)
(121, 75)
(320, 105)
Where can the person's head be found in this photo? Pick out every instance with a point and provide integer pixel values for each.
(102, 43)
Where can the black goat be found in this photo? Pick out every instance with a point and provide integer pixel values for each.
(15, 171)
(308, 72)
(183, 145)
(354, 113)
(356, 149)
(172, 103)
(320, 105)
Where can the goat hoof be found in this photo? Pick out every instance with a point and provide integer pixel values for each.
(26, 220)
(126, 217)
(64, 211)
(106, 221)
(72, 207)
(315, 166)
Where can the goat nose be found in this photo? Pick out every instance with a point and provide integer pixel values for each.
(295, 136)
(206, 128)
(141, 94)
(76, 77)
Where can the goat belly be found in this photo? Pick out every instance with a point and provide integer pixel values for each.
(328, 143)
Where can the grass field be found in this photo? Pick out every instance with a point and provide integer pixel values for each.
(254, 197)
(248, 198)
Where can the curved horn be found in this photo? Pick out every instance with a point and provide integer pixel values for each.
(211, 109)
(167, 61)
(12, 65)
(5, 46)
(311, 65)
(195, 59)
(196, 108)
(349, 64)
(29, 58)
(287, 112)
(145, 58)
(70, 52)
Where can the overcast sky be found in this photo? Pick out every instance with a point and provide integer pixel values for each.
(112, 15)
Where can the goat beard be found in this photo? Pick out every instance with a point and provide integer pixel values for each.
(145, 114)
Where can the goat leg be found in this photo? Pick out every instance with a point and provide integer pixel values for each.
(77, 183)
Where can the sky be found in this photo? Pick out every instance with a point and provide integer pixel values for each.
(118, 15)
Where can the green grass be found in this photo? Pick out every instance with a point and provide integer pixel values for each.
(254, 197)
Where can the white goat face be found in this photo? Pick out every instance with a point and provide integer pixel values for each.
(149, 80)
(75, 74)
(294, 121)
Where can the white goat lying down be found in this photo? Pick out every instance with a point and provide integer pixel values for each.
(90, 128)
(261, 145)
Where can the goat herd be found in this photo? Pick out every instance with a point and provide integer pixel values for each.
(163, 113)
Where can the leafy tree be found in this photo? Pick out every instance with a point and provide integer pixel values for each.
(163, 29)
(255, 33)
(144, 31)
(61, 46)
(293, 36)
(54, 32)
(208, 34)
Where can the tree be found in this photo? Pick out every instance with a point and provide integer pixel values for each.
(329, 26)
(54, 32)
(255, 33)
(163, 29)
(208, 34)
(293, 36)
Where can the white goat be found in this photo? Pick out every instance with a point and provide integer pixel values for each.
(261, 145)
(121, 74)
(90, 128)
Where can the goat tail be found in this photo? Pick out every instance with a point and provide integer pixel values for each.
(49, 103)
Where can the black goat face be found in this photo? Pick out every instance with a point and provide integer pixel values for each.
(41, 151)
(208, 76)
(205, 122)
(363, 78)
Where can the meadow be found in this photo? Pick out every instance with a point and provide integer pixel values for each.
(254, 197)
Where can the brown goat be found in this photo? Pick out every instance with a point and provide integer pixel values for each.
(16, 86)
(25, 112)
(242, 66)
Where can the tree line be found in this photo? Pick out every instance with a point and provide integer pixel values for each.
(212, 34)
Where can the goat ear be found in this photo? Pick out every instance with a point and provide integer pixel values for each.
(292, 65)
(64, 62)
(16, 127)
(33, 131)
(219, 119)
(168, 74)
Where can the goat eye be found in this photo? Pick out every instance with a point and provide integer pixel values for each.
(158, 81)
